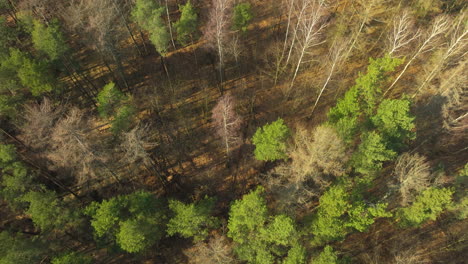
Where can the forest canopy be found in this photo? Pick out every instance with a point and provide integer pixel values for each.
(224, 132)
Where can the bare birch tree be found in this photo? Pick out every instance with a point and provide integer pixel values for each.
(403, 33)
(430, 41)
(455, 111)
(227, 122)
(457, 48)
(413, 175)
(308, 33)
(336, 58)
(217, 30)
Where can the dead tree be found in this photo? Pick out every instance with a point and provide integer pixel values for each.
(99, 22)
(72, 149)
(39, 120)
(217, 250)
(429, 42)
(217, 30)
(136, 145)
(227, 122)
(413, 175)
(317, 153)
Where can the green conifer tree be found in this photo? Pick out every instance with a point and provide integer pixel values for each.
(270, 141)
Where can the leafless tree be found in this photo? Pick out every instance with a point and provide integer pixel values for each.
(453, 86)
(72, 148)
(429, 42)
(217, 250)
(456, 49)
(311, 23)
(135, 145)
(365, 11)
(336, 58)
(99, 21)
(227, 122)
(45, 9)
(38, 122)
(316, 153)
(413, 175)
(403, 33)
(217, 29)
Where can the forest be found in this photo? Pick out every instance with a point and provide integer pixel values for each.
(233, 131)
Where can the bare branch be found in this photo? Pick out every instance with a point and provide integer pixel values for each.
(403, 32)
(227, 122)
(413, 175)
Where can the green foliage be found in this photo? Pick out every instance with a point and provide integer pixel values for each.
(147, 14)
(108, 99)
(344, 116)
(242, 222)
(427, 206)
(242, 16)
(7, 154)
(192, 220)
(280, 231)
(16, 249)
(187, 24)
(8, 38)
(361, 217)
(135, 235)
(369, 84)
(360, 101)
(371, 153)
(46, 210)
(49, 40)
(259, 238)
(112, 103)
(72, 258)
(123, 119)
(337, 213)
(394, 121)
(270, 141)
(328, 223)
(134, 221)
(327, 256)
(15, 179)
(33, 74)
(296, 255)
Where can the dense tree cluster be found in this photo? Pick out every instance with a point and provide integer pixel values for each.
(222, 131)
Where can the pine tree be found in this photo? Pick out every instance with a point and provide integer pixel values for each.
(370, 155)
(135, 221)
(394, 121)
(47, 211)
(192, 220)
(147, 14)
(242, 16)
(49, 39)
(270, 141)
(427, 206)
(72, 258)
(187, 24)
(327, 256)
(17, 249)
